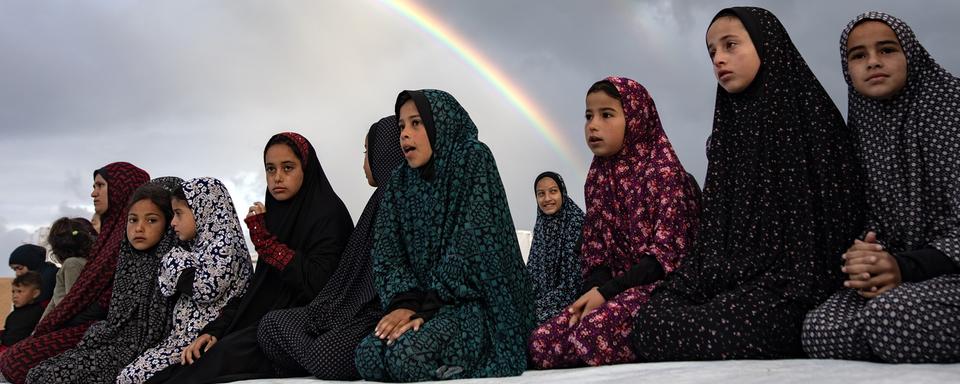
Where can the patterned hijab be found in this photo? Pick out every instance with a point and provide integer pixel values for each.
(139, 315)
(554, 262)
(782, 196)
(638, 200)
(350, 289)
(218, 235)
(96, 279)
(442, 233)
(910, 149)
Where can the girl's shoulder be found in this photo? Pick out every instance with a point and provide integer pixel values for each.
(74, 262)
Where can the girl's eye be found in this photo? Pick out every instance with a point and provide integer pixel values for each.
(731, 44)
(131, 220)
(607, 115)
(287, 168)
(588, 116)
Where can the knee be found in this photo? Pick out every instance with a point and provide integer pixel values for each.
(892, 322)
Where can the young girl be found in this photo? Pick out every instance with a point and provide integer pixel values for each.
(902, 299)
(71, 241)
(554, 262)
(781, 201)
(446, 262)
(641, 213)
(320, 339)
(210, 268)
(299, 235)
(30, 257)
(89, 298)
(138, 315)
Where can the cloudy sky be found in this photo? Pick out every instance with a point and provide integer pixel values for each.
(192, 89)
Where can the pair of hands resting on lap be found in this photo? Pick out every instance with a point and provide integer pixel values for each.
(395, 324)
(870, 269)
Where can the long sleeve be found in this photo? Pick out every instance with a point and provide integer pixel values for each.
(924, 264)
(676, 220)
(647, 271)
(392, 271)
(171, 265)
(309, 270)
(949, 243)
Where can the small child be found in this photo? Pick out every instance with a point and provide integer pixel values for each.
(26, 309)
(71, 241)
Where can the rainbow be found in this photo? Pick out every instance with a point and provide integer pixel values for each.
(432, 25)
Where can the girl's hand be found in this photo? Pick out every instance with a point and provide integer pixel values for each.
(256, 209)
(584, 305)
(192, 352)
(393, 322)
(414, 324)
(870, 268)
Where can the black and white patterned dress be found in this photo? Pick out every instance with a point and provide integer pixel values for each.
(910, 149)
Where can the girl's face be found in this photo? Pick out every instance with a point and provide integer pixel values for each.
(549, 198)
(875, 60)
(284, 172)
(183, 223)
(366, 165)
(99, 195)
(605, 124)
(19, 269)
(145, 225)
(735, 59)
(413, 136)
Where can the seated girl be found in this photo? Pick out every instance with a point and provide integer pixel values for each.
(138, 314)
(901, 301)
(781, 201)
(641, 214)
(446, 261)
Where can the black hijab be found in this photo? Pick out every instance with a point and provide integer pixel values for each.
(314, 224)
(34, 257)
(782, 198)
(351, 288)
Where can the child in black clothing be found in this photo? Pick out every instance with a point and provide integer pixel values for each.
(26, 309)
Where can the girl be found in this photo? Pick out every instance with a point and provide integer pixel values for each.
(138, 315)
(299, 235)
(781, 200)
(208, 270)
(554, 262)
(446, 262)
(640, 218)
(29, 257)
(903, 288)
(71, 241)
(321, 338)
(89, 298)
